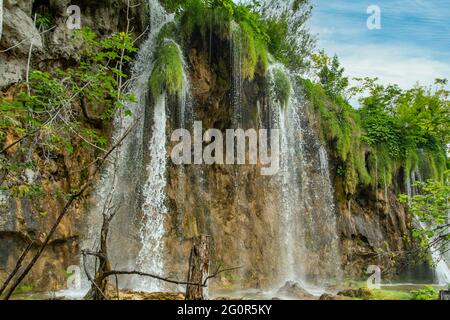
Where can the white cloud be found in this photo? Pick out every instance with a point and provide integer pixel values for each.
(398, 64)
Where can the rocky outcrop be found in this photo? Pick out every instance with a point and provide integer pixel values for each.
(294, 290)
(28, 219)
(18, 38)
(48, 44)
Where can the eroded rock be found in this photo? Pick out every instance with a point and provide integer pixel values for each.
(293, 290)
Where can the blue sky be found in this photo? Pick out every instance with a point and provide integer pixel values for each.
(413, 44)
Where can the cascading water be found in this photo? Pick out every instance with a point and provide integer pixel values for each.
(137, 181)
(442, 269)
(151, 233)
(309, 244)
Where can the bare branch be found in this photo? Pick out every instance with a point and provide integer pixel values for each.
(17, 268)
(65, 210)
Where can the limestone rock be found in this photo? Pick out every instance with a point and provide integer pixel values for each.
(19, 31)
(25, 5)
(362, 293)
(293, 290)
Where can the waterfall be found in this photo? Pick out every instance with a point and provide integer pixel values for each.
(151, 233)
(441, 268)
(236, 63)
(136, 182)
(289, 192)
(309, 244)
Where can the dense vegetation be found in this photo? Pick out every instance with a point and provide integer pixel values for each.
(394, 133)
(255, 35)
(431, 206)
(41, 119)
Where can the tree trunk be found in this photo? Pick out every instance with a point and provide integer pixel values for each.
(99, 288)
(198, 268)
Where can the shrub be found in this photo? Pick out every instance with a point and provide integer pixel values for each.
(427, 293)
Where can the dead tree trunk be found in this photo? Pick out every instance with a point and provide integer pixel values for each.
(198, 268)
(100, 283)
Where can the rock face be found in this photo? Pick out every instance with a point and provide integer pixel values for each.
(25, 220)
(50, 44)
(18, 37)
(374, 228)
(239, 207)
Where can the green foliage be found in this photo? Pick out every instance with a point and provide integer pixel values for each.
(431, 206)
(411, 126)
(330, 74)
(44, 22)
(381, 166)
(291, 41)
(394, 129)
(252, 32)
(47, 108)
(282, 87)
(226, 20)
(427, 293)
(340, 126)
(167, 74)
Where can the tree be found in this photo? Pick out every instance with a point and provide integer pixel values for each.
(431, 207)
(330, 74)
(291, 39)
(44, 119)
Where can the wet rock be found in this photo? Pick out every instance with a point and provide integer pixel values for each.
(131, 295)
(327, 296)
(362, 293)
(293, 290)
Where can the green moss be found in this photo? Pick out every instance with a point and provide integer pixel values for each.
(228, 21)
(341, 128)
(24, 288)
(281, 86)
(381, 294)
(381, 166)
(167, 74)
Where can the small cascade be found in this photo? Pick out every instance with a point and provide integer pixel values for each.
(386, 191)
(442, 269)
(236, 63)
